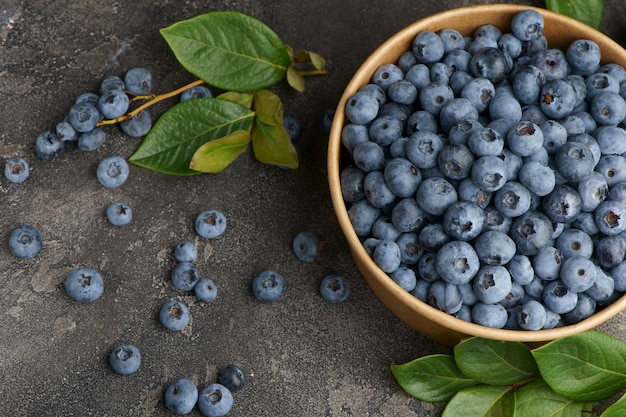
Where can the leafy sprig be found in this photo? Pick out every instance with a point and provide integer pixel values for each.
(563, 378)
(586, 11)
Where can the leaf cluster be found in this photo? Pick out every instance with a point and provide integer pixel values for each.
(243, 57)
(586, 11)
(563, 378)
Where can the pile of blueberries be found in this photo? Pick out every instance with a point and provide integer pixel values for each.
(488, 175)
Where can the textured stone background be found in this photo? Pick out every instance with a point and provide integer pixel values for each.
(302, 356)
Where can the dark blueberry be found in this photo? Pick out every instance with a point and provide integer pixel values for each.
(562, 205)
(410, 249)
(489, 63)
(460, 131)
(383, 228)
(268, 286)
(181, 396)
(406, 61)
(362, 215)
(307, 246)
(385, 129)
(456, 110)
(421, 290)
(398, 148)
(434, 195)
(457, 81)
(609, 251)
(199, 91)
(377, 191)
(353, 134)
(48, 145)
(434, 96)
(125, 359)
(445, 296)
(514, 297)
(352, 183)
(184, 276)
(368, 156)
(494, 248)
(334, 288)
(403, 92)
(418, 75)
(510, 45)
(432, 237)
(531, 232)
(361, 108)
(457, 262)
(402, 177)
(407, 216)
(233, 378)
(387, 74)
(464, 220)
(456, 161)
(427, 268)
(293, 126)
(421, 120)
(458, 60)
(423, 148)
(326, 121)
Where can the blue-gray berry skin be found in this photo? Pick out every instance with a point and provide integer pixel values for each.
(233, 378)
(206, 290)
(421, 290)
(445, 296)
(352, 183)
(603, 288)
(268, 286)
(421, 120)
(485, 141)
(377, 191)
(113, 104)
(110, 82)
(92, 140)
(119, 214)
(513, 199)
(457, 262)
(293, 126)
(215, 400)
(525, 138)
(410, 249)
(402, 177)
(464, 220)
(527, 82)
(553, 64)
(25, 241)
(368, 156)
(363, 215)
(434, 96)
(112, 171)
(574, 242)
(405, 277)
(125, 359)
(403, 92)
(432, 237)
(174, 315)
(554, 135)
(186, 252)
(547, 263)
(612, 168)
(558, 297)
(610, 251)
(137, 126)
(138, 81)
(469, 191)
(185, 276)
(537, 177)
(492, 284)
(504, 106)
(387, 255)
(407, 216)
(434, 195)
(84, 116)
(16, 170)
(479, 92)
(456, 161)
(557, 99)
(334, 288)
(66, 132)
(585, 307)
(610, 217)
(562, 205)
(423, 148)
(428, 47)
(181, 396)
(489, 315)
(210, 224)
(48, 145)
(494, 247)
(361, 108)
(532, 315)
(531, 232)
(597, 83)
(578, 273)
(84, 285)
(527, 25)
(383, 228)
(199, 91)
(611, 139)
(521, 269)
(307, 246)
(489, 172)
(456, 110)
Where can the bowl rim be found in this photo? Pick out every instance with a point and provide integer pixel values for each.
(395, 45)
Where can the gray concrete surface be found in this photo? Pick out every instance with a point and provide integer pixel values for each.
(301, 355)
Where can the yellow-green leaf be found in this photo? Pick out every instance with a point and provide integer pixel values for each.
(272, 145)
(295, 79)
(214, 156)
(243, 99)
(317, 60)
(268, 107)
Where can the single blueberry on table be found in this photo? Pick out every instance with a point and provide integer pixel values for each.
(185, 276)
(186, 252)
(174, 315)
(215, 400)
(16, 170)
(25, 241)
(125, 359)
(293, 126)
(138, 81)
(307, 246)
(210, 224)
(137, 126)
(84, 285)
(206, 290)
(92, 140)
(181, 396)
(112, 171)
(66, 132)
(334, 288)
(199, 91)
(48, 145)
(119, 214)
(268, 286)
(232, 377)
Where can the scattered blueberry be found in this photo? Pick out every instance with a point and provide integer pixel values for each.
(16, 170)
(185, 276)
(232, 377)
(307, 246)
(210, 224)
(48, 145)
(174, 315)
(181, 396)
(268, 286)
(112, 171)
(84, 284)
(125, 359)
(293, 126)
(215, 400)
(137, 126)
(138, 81)
(186, 252)
(205, 290)
(25, 241)
(334, 288)
(199, 91)
(119, 214)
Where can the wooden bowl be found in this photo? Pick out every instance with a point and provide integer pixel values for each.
(433, 323)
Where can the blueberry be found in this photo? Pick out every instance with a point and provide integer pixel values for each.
(402, 177)
(215, 400)
(611, 139)
(504, 106)
(352, 183)
(432, 237)
(485, 141)
(513, 199)
(377, 191)
(464, 313)
(574, 161)
(460, 131)
(615, 70)
(489, 315)
(233, 378)
(457, 81)
(534, 114)
(457, 262)
(113, 104)
(492, 283)
(490, 63)
(458, 60)
(469, 191)
(210, 224)
(452, 40)
(608, 108)
(385, 129)
(401, 112)
(184, 276)
(585, 307)
(421, 120)
(405, 278)
(368, 156)
(125, 359)
(83, 117)
(66, 132)
(618, 192)
(574, 125)
(552, 63)
(527, 25)
(527, 83)
(25, 241)
(406, 61)
(532, 315)
(387, 74)
(525, 138)
(603, 288)
(610, 250)
(186, 252)
(16, 170)
(361, 108)
(440, 73)
(584, 56)
(510, 45)
(334, 288)
(110, 82)
(464, 220)
(521, 269)
(456, 161)
(435, 195)
(554, 135)
(48, 145)
(562, 205)
(445, 296)
(593, 190)
(489, 172)
(434, 96)
(513, 163)
(428, 47)
(84, 285)
(137, 126)
(590, 142)
(387, 255)
(206, 290)
(92, 140)
(495, 220)
(531, 232)
(383, 228)
(557, 98)
(494, 247)
(268, 286)
(559, 298)
(362, 215)
(514, 297)
(119, 213)
(421, 290)
(418, 75)
(138, 81)
(410, 249)
(91, 98)
(181, 396)
(112, 171)
(456, 110)
(547, 263)
(199, 91)
(306, 246)
(578, 273)
(174, 315)
(597, 83)
(535, 288)
(612, 168)
(293, 126)
(403, 92)
(427, 268)
(610, 217)
(537, 178)
(574, 242)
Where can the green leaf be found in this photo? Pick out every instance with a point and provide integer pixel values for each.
(295, 79)
(243, 99)
(482, 401)
(433, 378)
(268, 107)
(588, 366)
(618, 409)
(536, 399)
(495, 362)
(215, 155)
(229, 50)
(181, 130)
(586, 11)
(272, 145)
